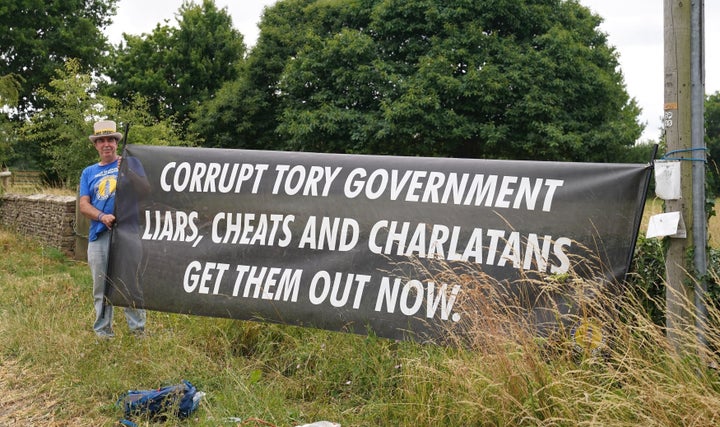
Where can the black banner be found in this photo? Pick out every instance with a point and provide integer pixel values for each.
(400, 246)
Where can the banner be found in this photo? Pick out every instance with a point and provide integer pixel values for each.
(397, 246)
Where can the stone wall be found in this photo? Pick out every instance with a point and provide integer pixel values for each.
(48, 219)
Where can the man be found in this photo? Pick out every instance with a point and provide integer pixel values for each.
(98, 183)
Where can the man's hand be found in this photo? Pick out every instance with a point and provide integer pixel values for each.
(108, 220)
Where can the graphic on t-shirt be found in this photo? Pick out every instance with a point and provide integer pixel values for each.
(106, 187)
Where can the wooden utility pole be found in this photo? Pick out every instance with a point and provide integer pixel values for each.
(683, 66)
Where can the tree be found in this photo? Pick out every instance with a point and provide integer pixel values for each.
(177, 69)
(531, 79)
(10, 89)
(247, 113)
(37, 37)
(57, 136)
(244, 113)
(9, 96)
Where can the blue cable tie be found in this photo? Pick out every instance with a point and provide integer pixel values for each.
(691, 159)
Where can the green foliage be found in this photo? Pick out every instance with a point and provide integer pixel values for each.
(528, 79)
(141, 66)
(146, 129)
(37, 37)
(243, 112)
(57, 136)
(6, 150)
(713, 276)
(218, 125)
(10, 89)
(176, 69)
(345, 115)
(9, 97)
(647, 276)
(638, 153)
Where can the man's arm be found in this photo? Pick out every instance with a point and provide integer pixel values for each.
(91, 212)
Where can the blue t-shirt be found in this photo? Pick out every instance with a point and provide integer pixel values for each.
(99, 183)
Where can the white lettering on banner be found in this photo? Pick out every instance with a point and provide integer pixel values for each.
(198, 275)
(171, 226)
(459, 189)
(211, 177)
(268, 283)
(251, 229)
(305, 181)
(411, 296)
(418, 186)
(259, 282)
(407, 239)
(371, 244)
(339, 289)
(322, 286)
(340, 234)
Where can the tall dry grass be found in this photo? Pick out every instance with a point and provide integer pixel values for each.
(607, 364)
(603, 363)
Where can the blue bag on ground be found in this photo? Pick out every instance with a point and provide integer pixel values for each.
(180, 400)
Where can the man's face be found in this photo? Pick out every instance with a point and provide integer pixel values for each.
(106, 146)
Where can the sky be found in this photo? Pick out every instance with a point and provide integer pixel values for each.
(634, 27)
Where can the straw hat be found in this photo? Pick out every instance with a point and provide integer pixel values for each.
(105, 128)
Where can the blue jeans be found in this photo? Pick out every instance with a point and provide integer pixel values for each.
(98, 252)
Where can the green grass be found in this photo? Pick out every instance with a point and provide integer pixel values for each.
(53, 372)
